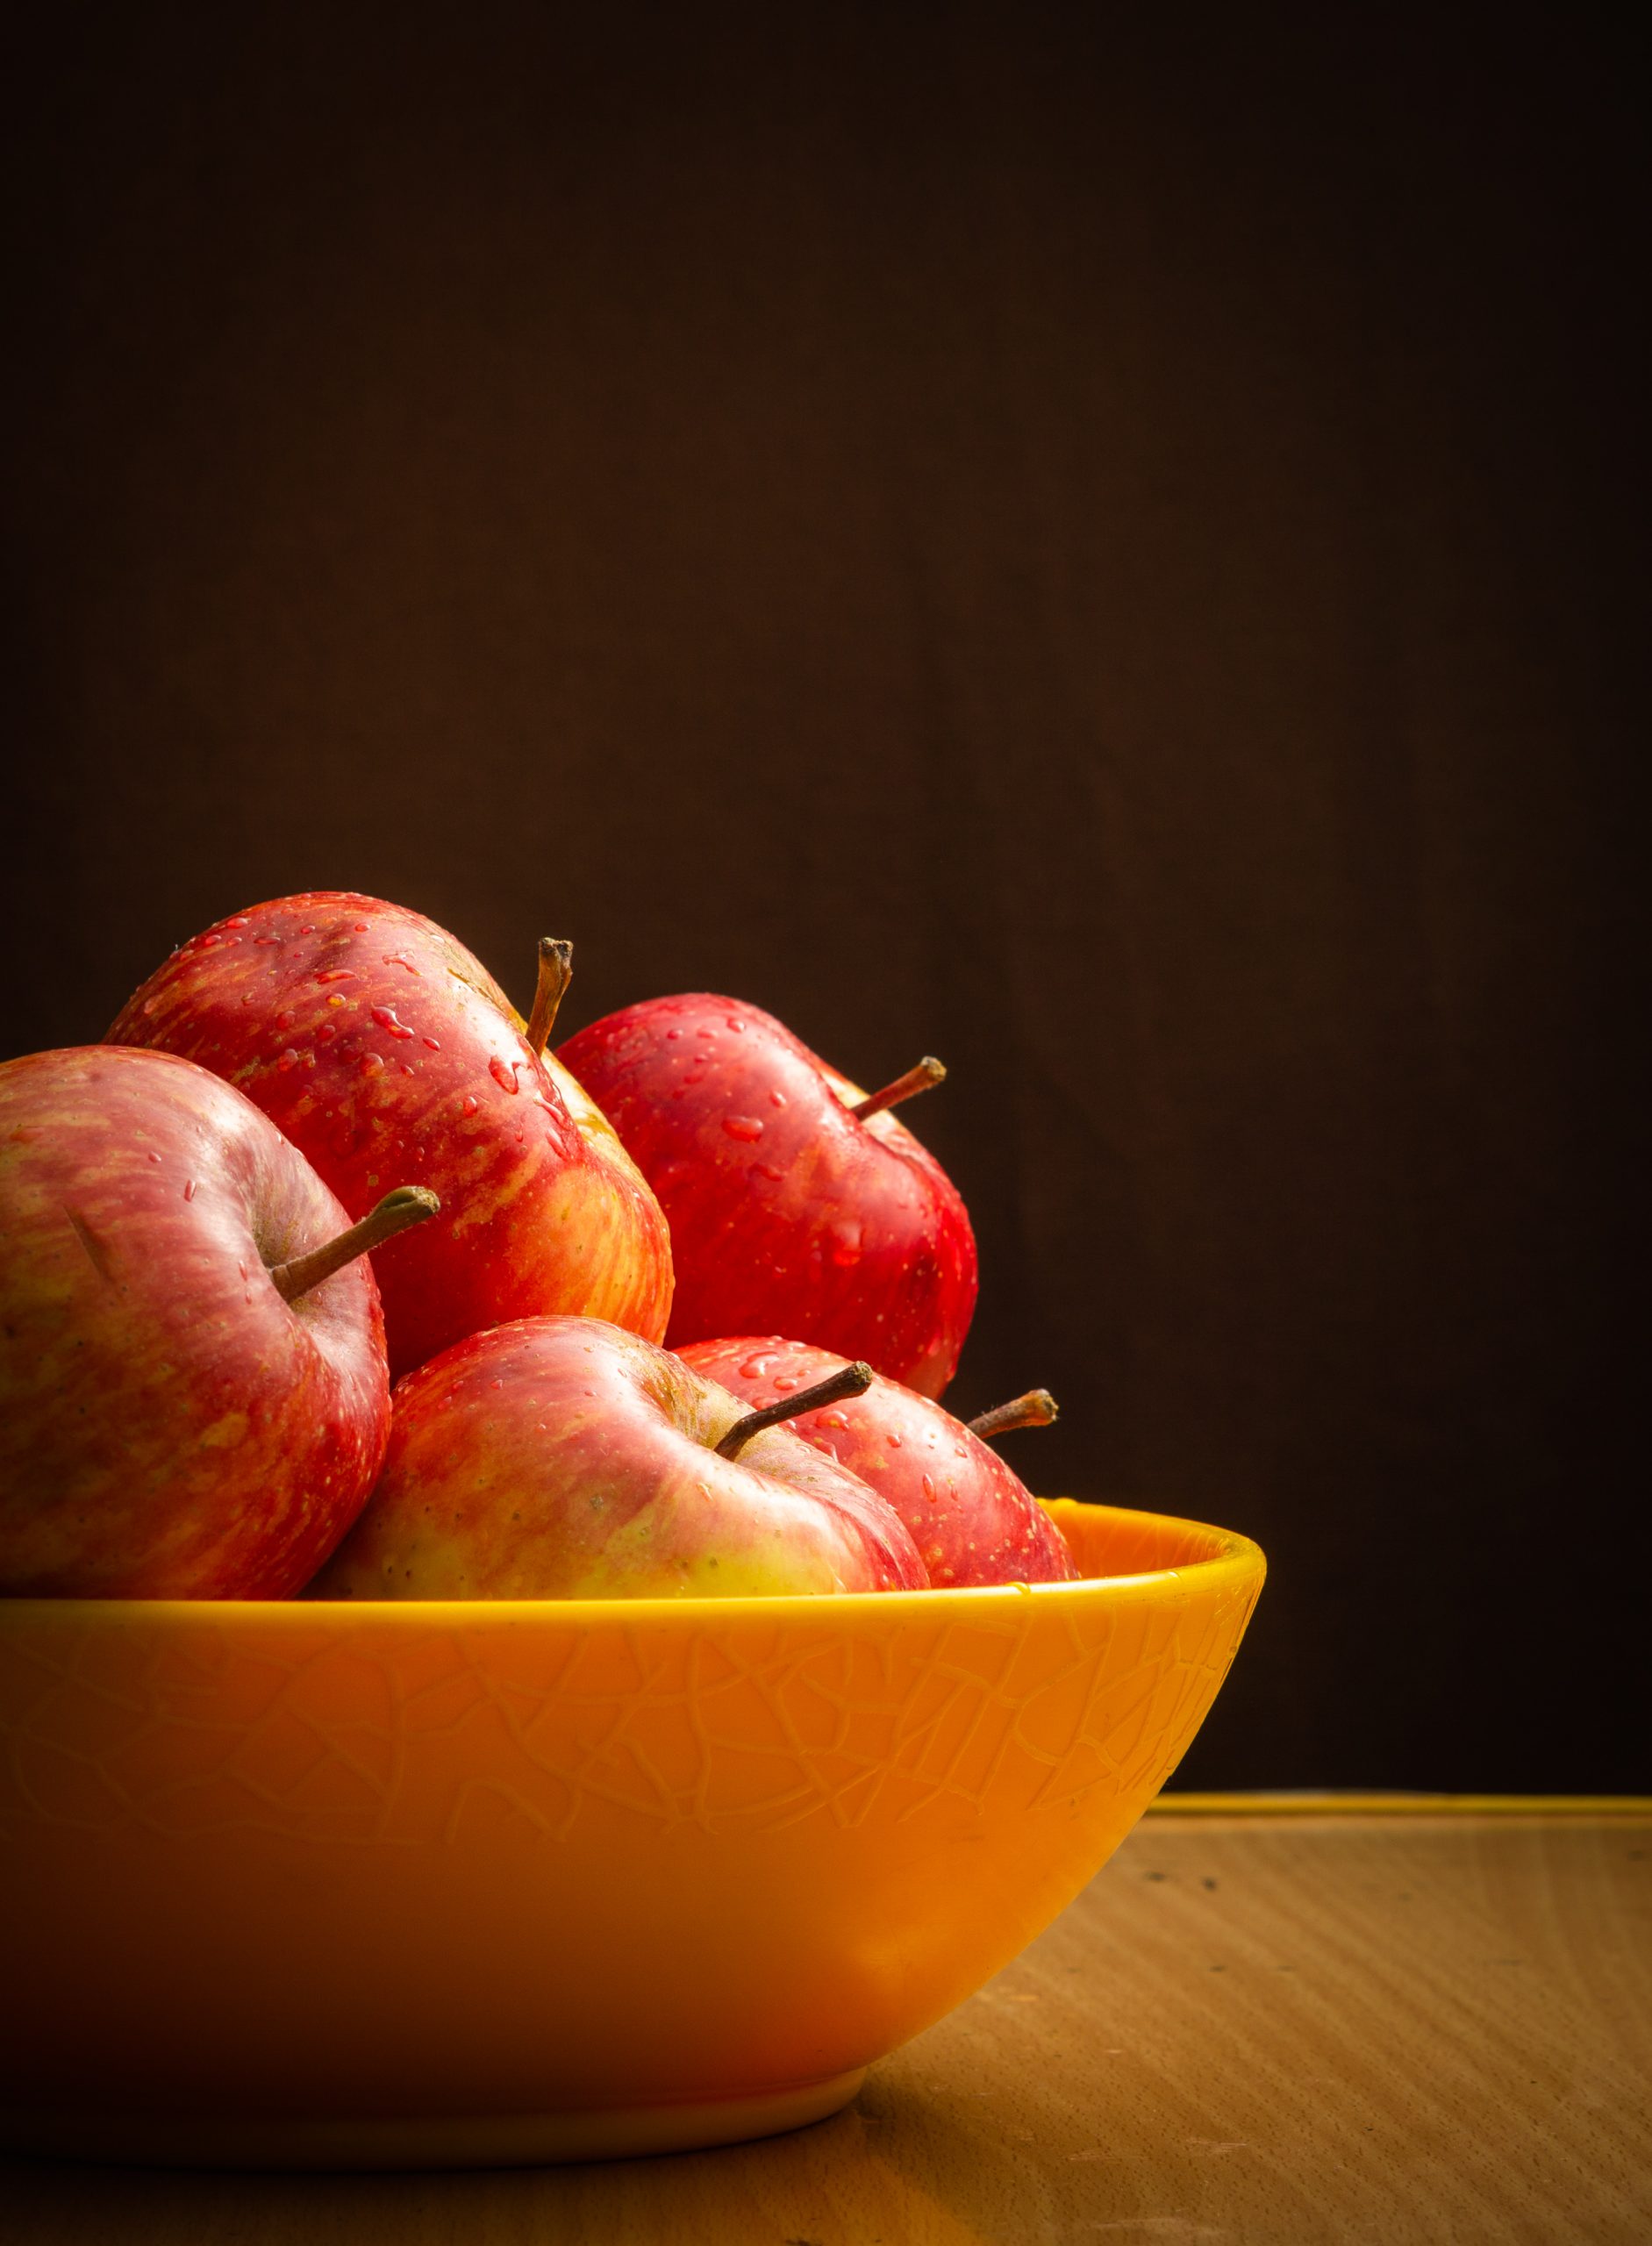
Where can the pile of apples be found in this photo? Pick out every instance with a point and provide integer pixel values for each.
(319, 1153)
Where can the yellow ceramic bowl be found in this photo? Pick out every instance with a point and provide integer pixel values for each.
(438, 1885)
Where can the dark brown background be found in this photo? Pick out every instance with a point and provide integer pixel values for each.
(1103, 553)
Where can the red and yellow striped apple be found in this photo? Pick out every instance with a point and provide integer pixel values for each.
(193, 1401)
(386, 1051)
(565, 1458)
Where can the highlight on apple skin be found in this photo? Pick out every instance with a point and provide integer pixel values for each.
(388, 1053)
(172, 1426)
(971, 1518)
(789, 1212)
(566, 1458)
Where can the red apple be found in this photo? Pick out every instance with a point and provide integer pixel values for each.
(969, 1516)
(384, 1050)
(194, 1402)
(565, 1458)
(789, 1212)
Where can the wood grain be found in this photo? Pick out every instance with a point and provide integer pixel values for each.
(1315, 2027)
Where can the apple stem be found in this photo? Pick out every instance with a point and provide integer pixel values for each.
(407, 1205)
(928, 1072)
(851, 1380)
(556, 972)
(1035, 1409)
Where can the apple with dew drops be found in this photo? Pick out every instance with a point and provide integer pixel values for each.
(973, 1520)
(565, 1458)
(385, 1050)
(798, 1203)
(193, 1401)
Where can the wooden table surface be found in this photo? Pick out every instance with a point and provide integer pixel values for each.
(1268, 2019)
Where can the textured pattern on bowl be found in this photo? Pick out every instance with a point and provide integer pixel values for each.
(377, 1882)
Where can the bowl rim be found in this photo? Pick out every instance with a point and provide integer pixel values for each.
(1232, 1555)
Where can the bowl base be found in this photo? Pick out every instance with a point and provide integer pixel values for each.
(164, 2139)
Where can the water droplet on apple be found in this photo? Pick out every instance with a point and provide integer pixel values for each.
(327, 1032)
(385, 1017)
(768, 1169)
(735, 1024)
(371, 1064)
(787, 1383)
(286, 1060)
(777, 1098)
(757, 1367)
(929, 1488)
(188, 1190)
(671, 1034)
(434, 1043)
(236, 920)
(893, 1439)
(504, 1073)
(470, 1103)
(748, 1128)
(337, 975)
